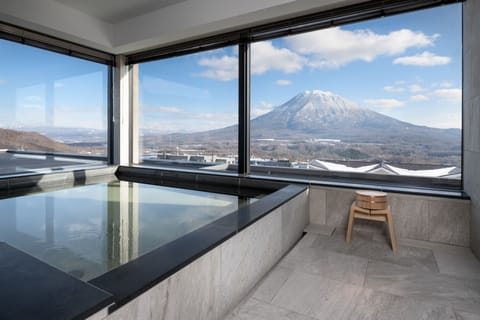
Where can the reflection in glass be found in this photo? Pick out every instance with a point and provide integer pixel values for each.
(50, 102)
(86, 231)
(188, 110)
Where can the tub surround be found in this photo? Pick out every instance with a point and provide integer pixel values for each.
(31, 289)
(24, 184)
(206, 273)
(211, 286)
(120, 288)
(132, 279)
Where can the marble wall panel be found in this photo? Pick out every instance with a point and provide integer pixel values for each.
(416, 217)
(248, 257)
(449, 222)
(338, 203)
(294, 220)
(318, 205)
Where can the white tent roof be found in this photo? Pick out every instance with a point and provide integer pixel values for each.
(421, 173)
(340, 167)
(383, 168)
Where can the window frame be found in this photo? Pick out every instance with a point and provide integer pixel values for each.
(315, 21)
(9, 32)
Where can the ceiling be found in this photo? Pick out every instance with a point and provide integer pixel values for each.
(115, 11)
(127, 26)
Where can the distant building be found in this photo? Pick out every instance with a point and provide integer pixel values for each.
(382, 167)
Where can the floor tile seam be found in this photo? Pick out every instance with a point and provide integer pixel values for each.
(316, 275)
(453, 277)
(277, 291)
(365, 275)
(456, 258)
(413, 269)
(421, 272)
(435, 249)
(395, 255)
(360, 258)
(430, 245)
(460, 277)
(435, 259)
(285, 309)
(242, 302)
(420, 298)
(456, 309)
(433, 245)
(321, 277)
(456, 315)
(430, 299)
(331, 250)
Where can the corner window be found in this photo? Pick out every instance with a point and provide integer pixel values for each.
(377, 100)
(53, 110)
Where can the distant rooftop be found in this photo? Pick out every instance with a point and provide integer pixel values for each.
(12, 162)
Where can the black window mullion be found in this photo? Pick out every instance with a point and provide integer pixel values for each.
(110, 121)
(244, 108)
(50, 43)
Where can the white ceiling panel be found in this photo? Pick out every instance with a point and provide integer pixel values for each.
(114, 11)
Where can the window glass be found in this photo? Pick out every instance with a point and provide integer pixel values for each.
(50, 103)
(188, 110)
(382, 96)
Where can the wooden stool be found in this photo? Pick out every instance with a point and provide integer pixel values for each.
(371, 205)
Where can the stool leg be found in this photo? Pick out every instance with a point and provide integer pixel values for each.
(393, 240)
(350, 222)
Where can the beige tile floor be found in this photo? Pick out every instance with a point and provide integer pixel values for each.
(322, 277)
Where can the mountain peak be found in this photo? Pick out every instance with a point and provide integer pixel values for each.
(317, 93)
(311, 109)
(314, 104)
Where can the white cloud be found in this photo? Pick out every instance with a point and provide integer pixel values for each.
(266, 57)
(282, 82)
(393, 89)
(384, 103)
(425, 59)
(33, 98)
(335, 47)
(182, 114)
(414, 88)
(328, 48)
(418, 98)
(155, 86)
(162, 109)
(224, 68)
(453, 95)
(264, 107)
(174, 119)
(229, 118)
(444, 120)
(2, 82)
(58, 84)
(445, 84)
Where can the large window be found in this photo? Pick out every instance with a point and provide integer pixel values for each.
(359, 100)
(188, 110)
(381, 96)
(50, 104)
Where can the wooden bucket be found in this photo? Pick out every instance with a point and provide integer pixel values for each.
(372, 200)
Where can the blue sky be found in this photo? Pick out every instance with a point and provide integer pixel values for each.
(39, 88)
(407, 66)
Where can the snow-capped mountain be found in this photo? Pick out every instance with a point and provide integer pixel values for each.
(325, 115)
